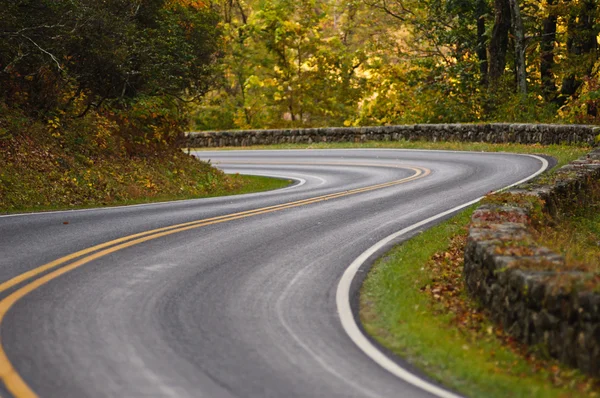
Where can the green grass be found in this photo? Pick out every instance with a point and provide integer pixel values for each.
(577, 239)
(562, 153)
(583, 244)
(253, 184)
(402, 317)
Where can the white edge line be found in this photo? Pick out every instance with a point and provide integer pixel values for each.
(347, 317)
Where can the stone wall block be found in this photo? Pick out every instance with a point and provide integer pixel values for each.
(589, 306)
(535, 293)
(529, 290)
(495, 132)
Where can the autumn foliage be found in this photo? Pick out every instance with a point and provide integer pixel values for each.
(310, 63)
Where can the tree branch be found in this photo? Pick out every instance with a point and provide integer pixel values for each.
(45, 52)
(20, 32)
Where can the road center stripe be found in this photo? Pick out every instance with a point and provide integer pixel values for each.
(9, 375)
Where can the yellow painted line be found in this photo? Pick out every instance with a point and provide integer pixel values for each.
(384, 165)
(420, 172)
(11, 378)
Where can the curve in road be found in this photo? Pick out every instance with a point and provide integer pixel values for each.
(231, 296)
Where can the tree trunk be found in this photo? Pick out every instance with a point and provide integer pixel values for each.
(499, 40)
(569, 83)
(481, 42)
(589, 44)
(589, 30)
(517, 23)
(592, 109)
(547, 55)
(582, 33)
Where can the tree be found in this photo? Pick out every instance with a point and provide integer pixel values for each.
(114, 50)
(547, 43)
(581, 44)
(499, 41)
(481, 10)
(520, 68)
(332, 62)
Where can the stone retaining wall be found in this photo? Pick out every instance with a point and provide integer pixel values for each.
(493, 133)
(526, 287)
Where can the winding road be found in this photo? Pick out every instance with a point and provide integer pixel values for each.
(226, 297)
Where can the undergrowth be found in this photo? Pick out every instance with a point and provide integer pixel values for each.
(572, 231)
(414, 303)
(88, 165)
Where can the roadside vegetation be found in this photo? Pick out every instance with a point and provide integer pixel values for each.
(577, 237)
(414, 303)
(575, 234)
(93, 100)
(80, 170)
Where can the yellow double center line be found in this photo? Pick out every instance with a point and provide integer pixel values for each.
(9, 375)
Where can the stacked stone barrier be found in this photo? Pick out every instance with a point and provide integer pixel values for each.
(493, 133)
(526, 287)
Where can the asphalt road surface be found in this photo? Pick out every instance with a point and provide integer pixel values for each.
(221, 297)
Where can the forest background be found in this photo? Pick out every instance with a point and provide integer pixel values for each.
(95, 95)
(307, 63)
(142, 67)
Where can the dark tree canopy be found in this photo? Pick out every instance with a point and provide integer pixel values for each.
(110, 50)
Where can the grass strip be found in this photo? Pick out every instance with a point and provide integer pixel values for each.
(414, 303)
(577, 238)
